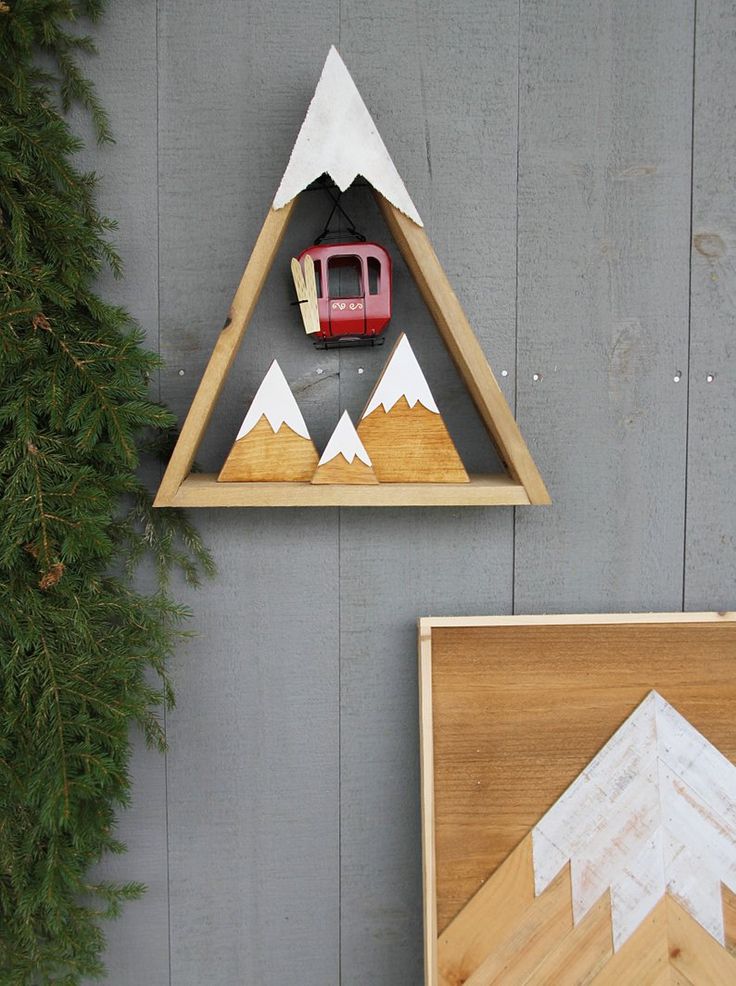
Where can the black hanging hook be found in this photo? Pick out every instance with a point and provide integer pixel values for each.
(337, 207)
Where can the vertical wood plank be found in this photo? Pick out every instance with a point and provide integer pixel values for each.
(446, 108)
(253, 765)
(604, 193)
(710, 569)
(124, 73)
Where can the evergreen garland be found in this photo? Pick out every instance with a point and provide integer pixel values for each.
(77, 638)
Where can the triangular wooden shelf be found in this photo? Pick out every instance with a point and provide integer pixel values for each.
(344, 160)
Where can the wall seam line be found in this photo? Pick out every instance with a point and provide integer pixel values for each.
(514, 513)
(160, 394)
(689, 305)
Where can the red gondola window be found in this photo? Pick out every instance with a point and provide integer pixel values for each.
(318, 276)
(374, 276)
(344, 277)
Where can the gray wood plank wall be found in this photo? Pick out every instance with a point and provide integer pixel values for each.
(574, 164)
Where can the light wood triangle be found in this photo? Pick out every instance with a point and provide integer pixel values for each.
(522, 485)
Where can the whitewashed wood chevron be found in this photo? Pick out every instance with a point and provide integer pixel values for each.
(339, 137)
(654, 812)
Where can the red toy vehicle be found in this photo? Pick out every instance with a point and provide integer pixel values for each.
(353, 282)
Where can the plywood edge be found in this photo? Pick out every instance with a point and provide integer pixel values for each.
(426, 770)
(577, 619)
(203, 490)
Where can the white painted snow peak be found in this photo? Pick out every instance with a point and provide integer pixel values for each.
(653, 813)
(339, 137)
(345, 441)
(275, 402)
(401, 377)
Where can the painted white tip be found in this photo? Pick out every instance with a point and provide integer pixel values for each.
(402, 377)
(345, 441)
(338, 137)
(654, 811)
(275, 402)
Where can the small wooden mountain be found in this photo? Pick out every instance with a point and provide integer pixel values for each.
(345, 459)
(402, 428)
(273, 444)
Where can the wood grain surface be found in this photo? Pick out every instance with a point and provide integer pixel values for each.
(339, 470)
(265, 456)
(410, 445)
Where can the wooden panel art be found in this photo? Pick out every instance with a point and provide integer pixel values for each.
(577, 789)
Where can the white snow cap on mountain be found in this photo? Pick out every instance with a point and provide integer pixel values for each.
(339, 137)
(653, 813)
(402, 377)
(345, 442)
(275, 402)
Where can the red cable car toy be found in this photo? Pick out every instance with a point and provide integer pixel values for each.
(343, 289)
(353, 291)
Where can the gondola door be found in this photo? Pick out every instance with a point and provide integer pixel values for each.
(345, 295)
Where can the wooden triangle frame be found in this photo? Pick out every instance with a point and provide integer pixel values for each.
(523, 484)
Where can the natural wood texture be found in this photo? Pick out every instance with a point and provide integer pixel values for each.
(519, 939)
(694, 952)
(410, 445)
(487, 919)
(729, 918)
(644, 959)
(581, 954)
(339, 470)
(447, 312)
(426, 781)
(265, 456)
(503, 754)
(241, 309)
(545, 922)
(203, 490)
(677, 978)
(305, 285)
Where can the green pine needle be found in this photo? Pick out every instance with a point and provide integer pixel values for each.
(78, 638)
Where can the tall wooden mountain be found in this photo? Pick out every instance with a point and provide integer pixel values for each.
(273, 444)
(402, 428)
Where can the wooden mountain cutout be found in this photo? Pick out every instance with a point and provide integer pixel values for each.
(321, 148)
(402, 428)
(273, 444)
(345, 459)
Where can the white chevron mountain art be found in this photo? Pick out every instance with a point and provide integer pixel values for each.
(653, 813)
